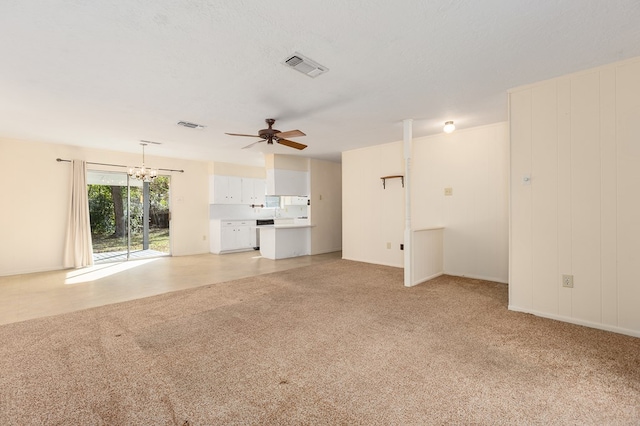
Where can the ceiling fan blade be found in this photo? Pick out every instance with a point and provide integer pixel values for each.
(292, 144)
(252, 144)
(240, 134)
(290, 134)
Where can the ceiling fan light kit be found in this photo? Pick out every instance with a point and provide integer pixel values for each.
(270, 134)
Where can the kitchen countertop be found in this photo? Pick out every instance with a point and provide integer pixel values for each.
(286, 226)
(277, 226)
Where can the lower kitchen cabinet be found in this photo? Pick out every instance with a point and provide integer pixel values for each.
(232, 235)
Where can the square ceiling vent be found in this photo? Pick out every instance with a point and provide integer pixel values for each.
(305, 65)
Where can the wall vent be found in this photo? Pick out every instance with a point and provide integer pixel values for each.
(305, 65)
(190, 125)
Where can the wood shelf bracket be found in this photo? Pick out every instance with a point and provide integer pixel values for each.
(384, 178)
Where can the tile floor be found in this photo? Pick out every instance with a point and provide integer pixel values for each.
(41, 294)
(119, 256)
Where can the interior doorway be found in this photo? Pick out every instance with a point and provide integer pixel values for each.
(130, 219)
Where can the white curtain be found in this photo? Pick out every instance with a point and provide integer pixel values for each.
(78, 249)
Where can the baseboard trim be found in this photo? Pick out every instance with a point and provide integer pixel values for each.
(591, 324)
(424, 280)
(33, 271)
(478, 277)
(372, 262)
(234, 251)
(327, 251)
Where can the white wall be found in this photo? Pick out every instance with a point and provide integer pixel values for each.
(326, 206)
(373, 216)
(578, 137)
(35, 201)
(240, 170)
(473, 162)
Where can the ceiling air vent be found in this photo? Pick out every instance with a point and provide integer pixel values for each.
(305, 65)
(190, 125)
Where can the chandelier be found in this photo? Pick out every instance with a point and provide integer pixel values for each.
(143, 173)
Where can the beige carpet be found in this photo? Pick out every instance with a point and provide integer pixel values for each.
(336, 343)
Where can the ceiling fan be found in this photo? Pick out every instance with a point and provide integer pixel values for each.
(269, 135)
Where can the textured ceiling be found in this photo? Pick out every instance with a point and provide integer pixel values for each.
(107, 74)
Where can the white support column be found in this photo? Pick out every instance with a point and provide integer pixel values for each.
(408, 241)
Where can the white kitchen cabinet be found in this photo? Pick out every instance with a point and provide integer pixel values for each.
(225, 189)
(236, 190)
(232, 235)
(259, 190)
(228, 238)
(295, 200)
(243, 238)
(253, 191)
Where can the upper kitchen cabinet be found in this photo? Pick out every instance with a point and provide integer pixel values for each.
(253, 191)
(295, 200)
(236, 190)
(225, 190)
(287, 182)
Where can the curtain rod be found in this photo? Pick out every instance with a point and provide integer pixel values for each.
(116, 165)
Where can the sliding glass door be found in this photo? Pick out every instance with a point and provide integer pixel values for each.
(129, 218)
(159, 216)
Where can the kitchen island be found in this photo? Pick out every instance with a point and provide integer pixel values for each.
(283, 241)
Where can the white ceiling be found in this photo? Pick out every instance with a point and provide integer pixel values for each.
(106, 74)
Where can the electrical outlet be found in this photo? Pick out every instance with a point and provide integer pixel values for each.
(389, 245)
(401, 246)
(567, 281)
(448, 191)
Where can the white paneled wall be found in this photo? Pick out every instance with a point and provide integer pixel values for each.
(627, 216)
(578, 137)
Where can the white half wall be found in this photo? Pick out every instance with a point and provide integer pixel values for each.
(577, 137)
(472, 162)
(35, 201)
